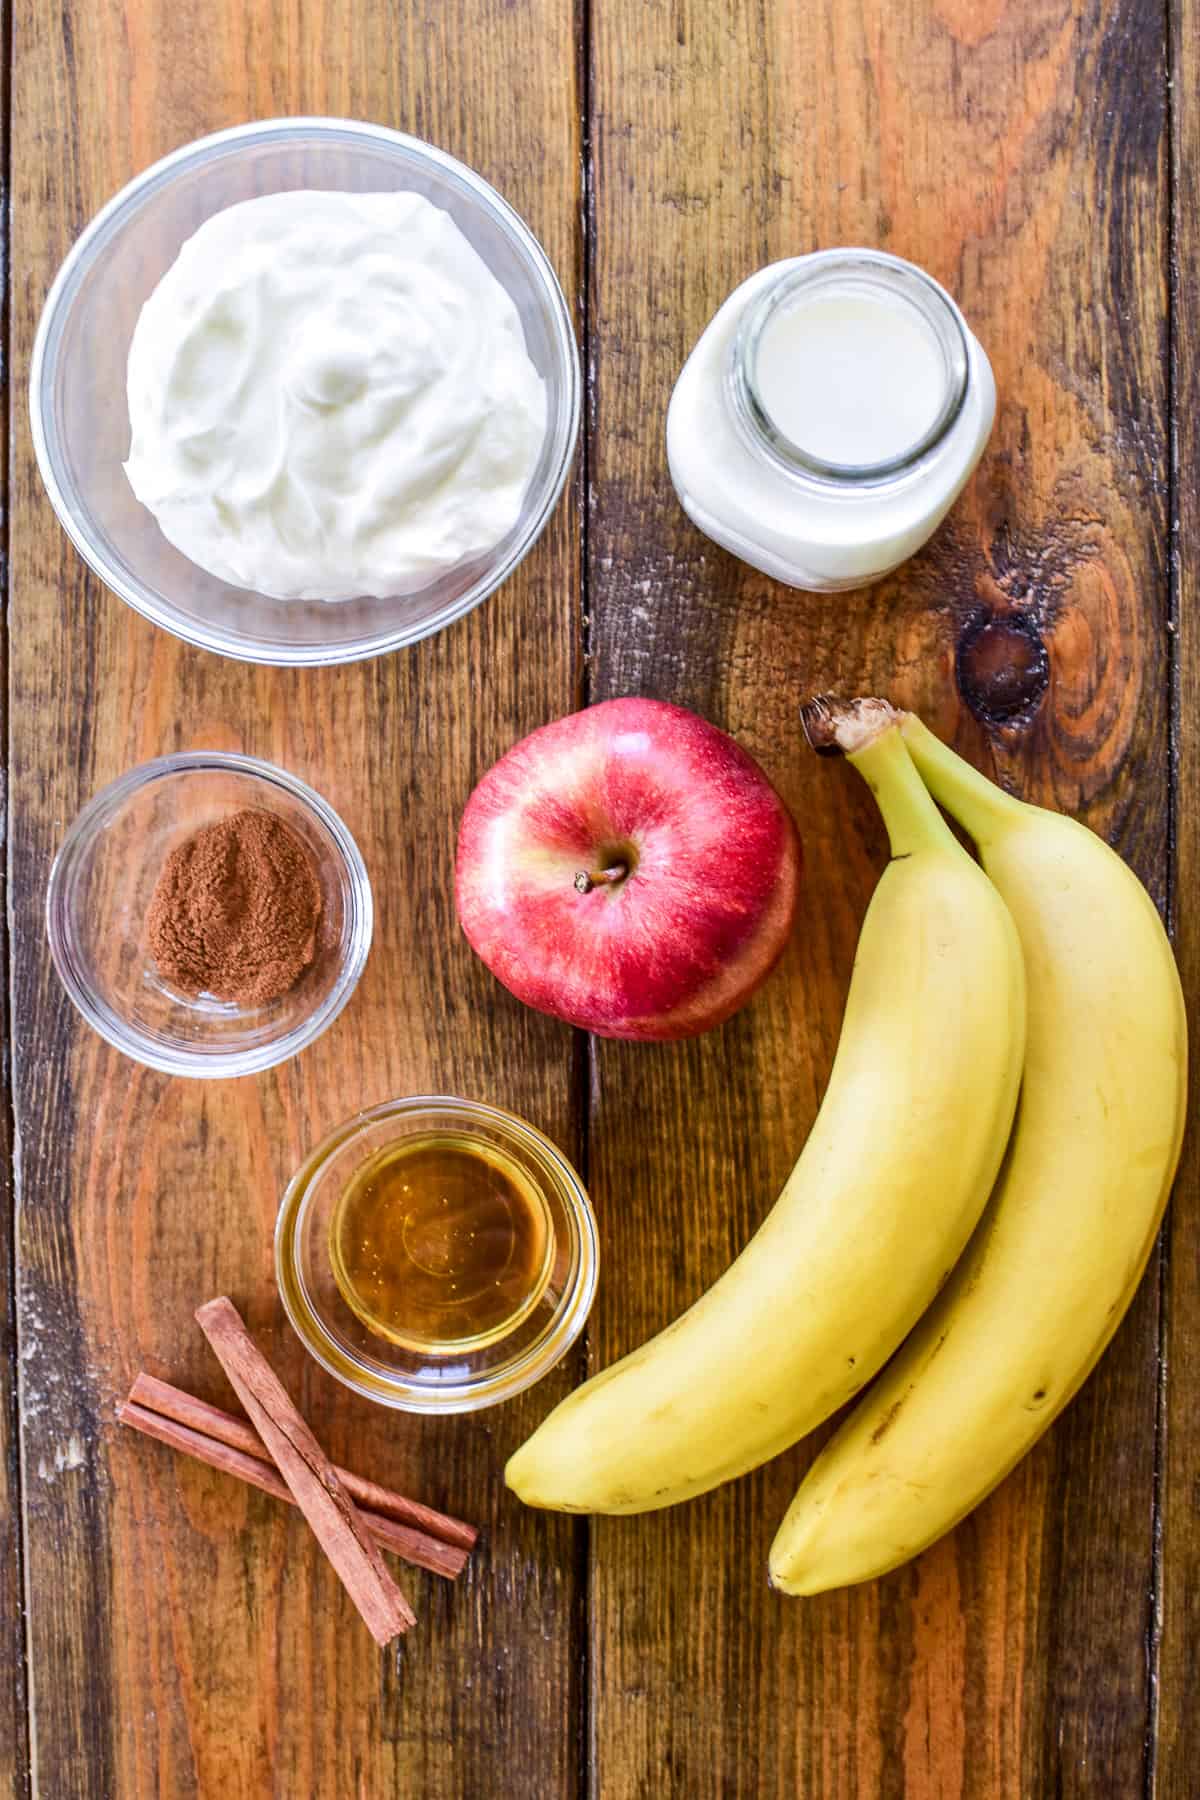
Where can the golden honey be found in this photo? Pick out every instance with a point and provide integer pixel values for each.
(441, 1243)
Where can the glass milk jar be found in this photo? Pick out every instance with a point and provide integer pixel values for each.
(829, 416)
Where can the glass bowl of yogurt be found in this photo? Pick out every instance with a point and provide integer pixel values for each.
(344, 417)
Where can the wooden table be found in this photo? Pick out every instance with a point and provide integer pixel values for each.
(163, 1631)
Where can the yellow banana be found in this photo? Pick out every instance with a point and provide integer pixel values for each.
(1062, 1246)
(889, 1186)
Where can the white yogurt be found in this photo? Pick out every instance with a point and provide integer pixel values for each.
(330, 395)
(829, 416)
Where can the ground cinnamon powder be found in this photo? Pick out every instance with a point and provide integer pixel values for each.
(235, 910)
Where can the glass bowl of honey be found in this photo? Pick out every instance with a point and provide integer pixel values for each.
(436, 1255)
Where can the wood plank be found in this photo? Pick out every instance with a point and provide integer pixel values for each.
(1178, 1649)
(14, 1738)
(186, 1637)
(1016, 153)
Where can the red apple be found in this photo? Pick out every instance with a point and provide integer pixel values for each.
(629, 869)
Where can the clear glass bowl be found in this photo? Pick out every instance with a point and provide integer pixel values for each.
(395, 1374)
(79, 414)
(99, 898)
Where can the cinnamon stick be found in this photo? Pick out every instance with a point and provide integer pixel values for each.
(173, 1403)
(414, 1546)
(336, 1521)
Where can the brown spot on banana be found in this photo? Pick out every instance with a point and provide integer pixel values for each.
(885, 1424)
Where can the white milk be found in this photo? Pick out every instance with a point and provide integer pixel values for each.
(850, 381)
(828, 417)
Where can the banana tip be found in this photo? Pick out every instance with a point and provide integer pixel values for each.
(779, 1584)
(794, 1587)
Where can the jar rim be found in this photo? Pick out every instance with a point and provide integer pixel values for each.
(868, 269)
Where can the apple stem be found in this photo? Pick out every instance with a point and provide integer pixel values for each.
(586, 880)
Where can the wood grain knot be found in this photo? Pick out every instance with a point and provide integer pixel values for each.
(1002, 666)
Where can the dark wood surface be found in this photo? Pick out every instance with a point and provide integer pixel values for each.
(1175, 1730)
(14, 1734)
(184, 1637)
(1011, 1658)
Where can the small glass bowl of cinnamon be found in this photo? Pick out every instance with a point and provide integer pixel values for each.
(209, 914)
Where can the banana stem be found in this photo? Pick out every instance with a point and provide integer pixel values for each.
(983, 809)
(913, 821)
